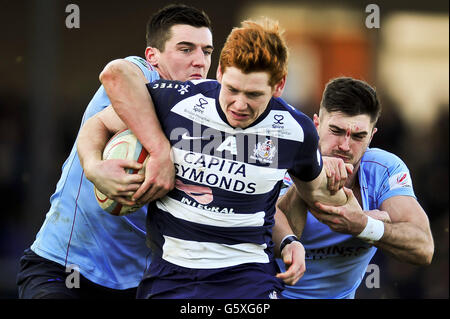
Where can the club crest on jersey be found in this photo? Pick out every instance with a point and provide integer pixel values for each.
(264, 152)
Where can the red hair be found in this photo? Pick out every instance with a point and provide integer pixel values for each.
(257, 47)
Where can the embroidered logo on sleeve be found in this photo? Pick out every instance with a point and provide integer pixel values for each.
(400, 180)
(182, 88)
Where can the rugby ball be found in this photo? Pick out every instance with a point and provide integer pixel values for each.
(123, 145)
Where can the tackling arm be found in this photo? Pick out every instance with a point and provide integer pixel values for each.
(108, 176)
(124, 84)
(408, 237)
(94, 135)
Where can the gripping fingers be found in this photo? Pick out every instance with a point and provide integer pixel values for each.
(349, 168)
(154, 193)
(143, 189)
(134, 179)
(330, 183)
(130, 164)
(326, 208)
(123, 200)
(331, 180)
(343, 174)
(147, 196)
(129, 190)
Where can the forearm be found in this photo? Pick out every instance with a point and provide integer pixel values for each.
(280, 230)
(294, 209)
(125, 86)
(93, 136)
(317, 191)
(323, 195)
(91, 141)
(408, 237)
(407, 242)
(293, 252)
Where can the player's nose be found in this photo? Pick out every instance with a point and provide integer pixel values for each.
(344, 143)
(199, 58)
(240, 103)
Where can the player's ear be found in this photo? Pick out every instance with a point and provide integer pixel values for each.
(374, 130)
(316, 120)
(152, 56)
(279, 87)
(219, 74)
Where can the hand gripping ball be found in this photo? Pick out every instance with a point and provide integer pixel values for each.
(123, 145)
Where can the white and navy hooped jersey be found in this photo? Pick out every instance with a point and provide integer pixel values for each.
(221, 211)
(336, 263)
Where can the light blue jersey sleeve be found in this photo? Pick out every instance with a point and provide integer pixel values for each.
(148, 70)
(101, 100)
(384, 175)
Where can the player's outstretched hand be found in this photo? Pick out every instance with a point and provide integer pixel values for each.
(337, 172)
(111, 179)
(293, 256)
(159, 178)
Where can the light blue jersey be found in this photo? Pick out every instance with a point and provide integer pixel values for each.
(109, 250)
(335, 262)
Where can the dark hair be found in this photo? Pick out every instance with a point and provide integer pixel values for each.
(158, 27)
(351, 97)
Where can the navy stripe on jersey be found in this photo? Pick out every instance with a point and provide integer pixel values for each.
(183, 229)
